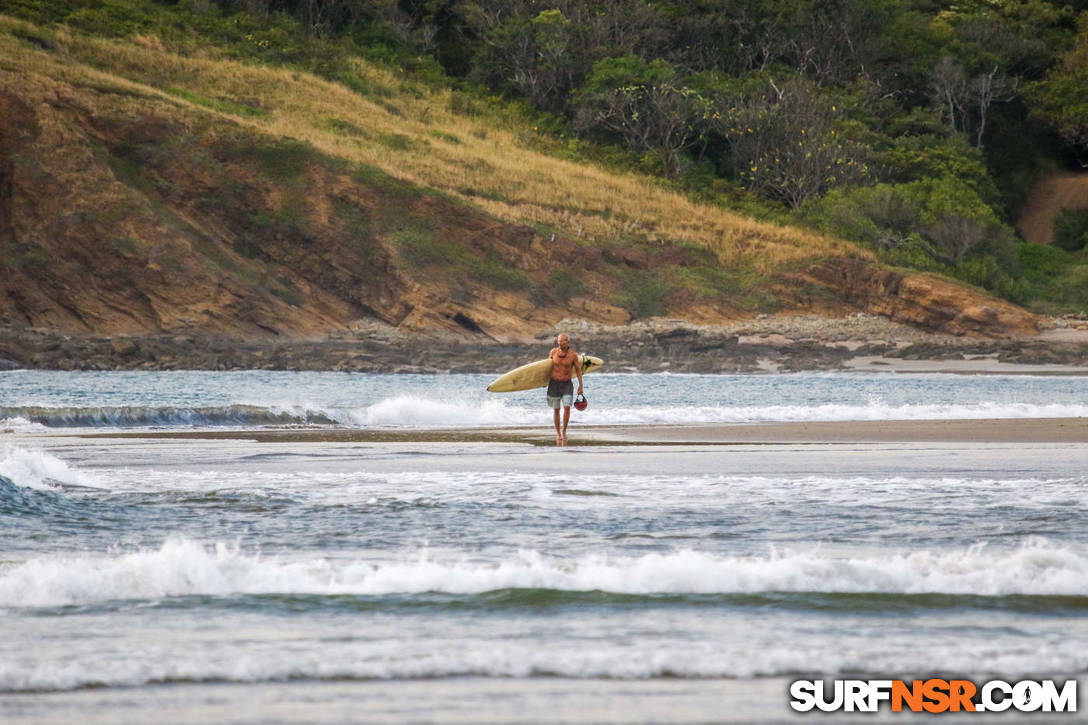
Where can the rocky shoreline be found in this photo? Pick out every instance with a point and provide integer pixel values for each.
(765, 344)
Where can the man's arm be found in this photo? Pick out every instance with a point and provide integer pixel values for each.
(578, 371)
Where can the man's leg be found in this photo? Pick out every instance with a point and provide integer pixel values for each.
(558, 433)
(566, 419)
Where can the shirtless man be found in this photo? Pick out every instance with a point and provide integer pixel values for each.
(565, 362)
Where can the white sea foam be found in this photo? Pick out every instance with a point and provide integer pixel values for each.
(18, 424)
(41, 470)
(826, 412)
(421, 412)
(411, 411)
(736, 652)
(414, 411)
(184, 567)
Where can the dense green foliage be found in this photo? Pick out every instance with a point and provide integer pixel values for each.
(1071, 230)
(914, 126)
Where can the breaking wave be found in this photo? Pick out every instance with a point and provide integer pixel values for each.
(182, 567)
(353, 660)
(392, 412)
(140, 416)
(421, 412)
(40, 470)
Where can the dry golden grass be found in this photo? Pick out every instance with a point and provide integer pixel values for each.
(401, 131)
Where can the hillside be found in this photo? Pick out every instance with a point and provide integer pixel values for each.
(149, 189)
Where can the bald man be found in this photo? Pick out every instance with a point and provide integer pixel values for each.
(565, 365)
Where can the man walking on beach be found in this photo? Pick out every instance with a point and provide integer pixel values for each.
(565, 362)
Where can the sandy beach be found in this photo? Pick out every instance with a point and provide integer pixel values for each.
(1032, 430)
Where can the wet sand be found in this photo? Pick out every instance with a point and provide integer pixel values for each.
(1034, 430)
(1018, 430)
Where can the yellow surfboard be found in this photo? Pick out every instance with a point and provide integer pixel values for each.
(536, 375)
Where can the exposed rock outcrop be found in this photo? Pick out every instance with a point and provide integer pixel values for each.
(918, 299)
(768, 344)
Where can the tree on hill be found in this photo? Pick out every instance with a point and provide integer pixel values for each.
(788, 143)
(647, 105)
(1061, 98)
(964, 103)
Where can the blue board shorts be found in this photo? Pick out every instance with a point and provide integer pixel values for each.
(560, 392)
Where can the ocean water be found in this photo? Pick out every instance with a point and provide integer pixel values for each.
(196, 580)
(247, 399)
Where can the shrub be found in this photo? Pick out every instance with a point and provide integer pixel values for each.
(1041, 262)
(564, 284)
(345, 128)
(1047, 280)
(225, 105)
(397, 141)
(287, 292)
(982, 272)
(943, 218)
(1071, 229)
(641, 293)
(420, 245)
(443, 136)
(283, 160)
(495, 273)
(246, 247)
(374, 177)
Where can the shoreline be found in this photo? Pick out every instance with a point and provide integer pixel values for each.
(780, 344)
(987, 430)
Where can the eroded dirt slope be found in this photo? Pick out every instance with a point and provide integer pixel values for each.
(1047, 199)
